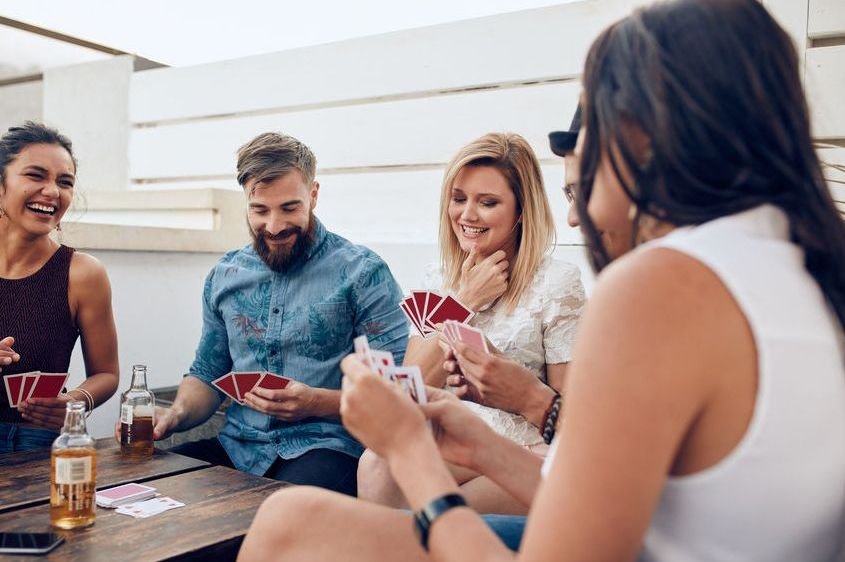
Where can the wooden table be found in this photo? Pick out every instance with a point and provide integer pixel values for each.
(25, 476)
(220, 504)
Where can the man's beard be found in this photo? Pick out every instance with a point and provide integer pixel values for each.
(282, 258)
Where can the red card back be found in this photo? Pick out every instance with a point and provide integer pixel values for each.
(49, 385)
(245, 381)
(273, 382)
(449, 309)
(226, 383)
(28, 383)
(13, 388)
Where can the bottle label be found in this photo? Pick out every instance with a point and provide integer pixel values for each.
(126, 413)
(73, 470)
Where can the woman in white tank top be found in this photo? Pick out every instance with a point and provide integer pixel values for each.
(705, 411)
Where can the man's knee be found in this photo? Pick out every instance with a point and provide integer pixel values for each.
(374, 478)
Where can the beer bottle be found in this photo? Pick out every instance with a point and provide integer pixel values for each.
(73, 472)
(137, 409)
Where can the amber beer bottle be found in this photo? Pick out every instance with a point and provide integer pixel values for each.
(73, 472)
(137, 410)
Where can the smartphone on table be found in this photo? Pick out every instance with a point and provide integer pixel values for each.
(29, 543)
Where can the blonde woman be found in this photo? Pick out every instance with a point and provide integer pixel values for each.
(496, 234)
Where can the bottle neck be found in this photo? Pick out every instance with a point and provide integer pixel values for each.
(75, 418)
(139, 379)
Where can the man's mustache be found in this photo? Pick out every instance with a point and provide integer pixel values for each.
(281, 234)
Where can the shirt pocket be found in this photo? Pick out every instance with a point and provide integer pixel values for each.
(324, 330)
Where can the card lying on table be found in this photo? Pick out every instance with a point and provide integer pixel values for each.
(125, 494)
(34, 384)
(141, 510)
(425, 309)
(236, 384)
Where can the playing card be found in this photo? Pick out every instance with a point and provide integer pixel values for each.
(418, 300)
(272, 381)
(449, 308)
(148, 508)
(226, 383)
(28, 385)
(472, 337)
(406, 306)
(127, 493)
(362, 349)
(244, 381)
(450, 332)
(431, 302)
(409, 379)
(13, 385)
(382, 361)
(48, 385)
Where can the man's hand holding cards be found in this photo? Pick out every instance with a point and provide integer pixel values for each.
(235, 385)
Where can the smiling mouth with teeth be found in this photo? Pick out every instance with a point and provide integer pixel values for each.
(472, 229)
(42, 209)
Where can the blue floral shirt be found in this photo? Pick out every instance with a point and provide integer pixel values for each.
(299, 323)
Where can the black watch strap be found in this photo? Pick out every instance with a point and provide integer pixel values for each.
(424, 518)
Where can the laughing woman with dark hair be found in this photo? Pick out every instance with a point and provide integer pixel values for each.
(705, 415)
(49, 294)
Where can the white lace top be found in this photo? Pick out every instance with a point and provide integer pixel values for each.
(540, 331)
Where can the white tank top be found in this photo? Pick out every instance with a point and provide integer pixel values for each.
(780, 494)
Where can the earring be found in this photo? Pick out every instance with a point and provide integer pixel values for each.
(632, 212)
(59, 227)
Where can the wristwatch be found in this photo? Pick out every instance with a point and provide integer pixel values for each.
(424, 518)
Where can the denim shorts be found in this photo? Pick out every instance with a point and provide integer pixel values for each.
(14, 437)
(508, 528)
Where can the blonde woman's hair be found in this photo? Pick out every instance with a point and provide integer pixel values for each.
(511, 155)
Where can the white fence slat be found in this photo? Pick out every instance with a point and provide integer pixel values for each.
(515, 47)
(826, 18)
(400, 133)
(825, 84)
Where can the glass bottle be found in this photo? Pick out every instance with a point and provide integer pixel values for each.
(137, 410)
(73, 472)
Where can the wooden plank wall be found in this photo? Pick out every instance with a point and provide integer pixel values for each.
(384, 113)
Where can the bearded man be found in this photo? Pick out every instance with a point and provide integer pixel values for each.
(289, 303)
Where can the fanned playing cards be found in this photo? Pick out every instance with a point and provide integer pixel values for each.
(235, 385)
(426, 309)
(34, 384)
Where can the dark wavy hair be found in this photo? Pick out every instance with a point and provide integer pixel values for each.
(18, 138)
(714, 85)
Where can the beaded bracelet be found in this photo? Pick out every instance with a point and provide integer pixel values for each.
(550, 419)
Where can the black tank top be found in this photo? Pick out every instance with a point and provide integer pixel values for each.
(35, 311)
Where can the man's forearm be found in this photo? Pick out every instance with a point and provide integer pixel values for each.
(195, 402)
(326, 403)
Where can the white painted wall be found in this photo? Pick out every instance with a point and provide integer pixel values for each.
(19, 103)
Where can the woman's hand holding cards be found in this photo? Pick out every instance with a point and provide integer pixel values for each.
(484, 281)
(378, 413)
(493, 380)
(45, 412)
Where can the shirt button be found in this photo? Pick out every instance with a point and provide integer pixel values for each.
(276, 310)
